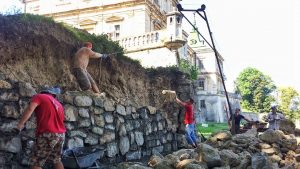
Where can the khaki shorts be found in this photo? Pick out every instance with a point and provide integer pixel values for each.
(48, 147)
(84, 79)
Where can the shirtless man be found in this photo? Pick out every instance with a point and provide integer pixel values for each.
(81, 61)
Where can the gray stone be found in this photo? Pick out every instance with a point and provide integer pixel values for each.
(71, 113)
(143, 113)
(96, 110)
(129, 126)
(158, 149)
(13, 145)
(287, 126)
(84, 113)
(7, 126)
(99, 121)
(158, 117)
(122, 130)
(112, 149)
(136, 124)
(169, 136)
(68, 97)
(109, 105)
(74, 142)
(109, 127)
(26, 90)
(124, 145)
(84, 123)
(133, 109)
(260, 161)
(136, 155)
(128, 110)
(91, 140)
(167, 147)
(97, 130)
(83, 101)
(31, 123)
(154, 127)
(290, 144)
(107, 137)
(264, 145)
(5, 85)
(209, 155)
(109, 118)
(10, 111)
(121, 119)
(135, 115)
(77, 133)
(271, 136)
(22, 105)
(152, 110)
(9, 97)
(148, 129)
(139, 138)
(121, 110)
(132, 139)
(69, 126)
(99, 102)
(229, 158)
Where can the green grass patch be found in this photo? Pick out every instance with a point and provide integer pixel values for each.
(212, 127)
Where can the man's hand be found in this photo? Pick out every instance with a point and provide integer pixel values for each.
(15, 131)
(104, 56)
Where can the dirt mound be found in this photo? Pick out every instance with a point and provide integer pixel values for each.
(39, 51)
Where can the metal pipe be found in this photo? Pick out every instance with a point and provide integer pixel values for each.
(202, 9)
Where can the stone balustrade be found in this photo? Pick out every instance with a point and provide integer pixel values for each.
(145, 41)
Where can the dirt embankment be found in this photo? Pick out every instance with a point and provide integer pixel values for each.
(41, 52)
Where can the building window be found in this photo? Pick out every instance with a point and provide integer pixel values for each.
(201, 84)
(117, 32)
(202, 104)
(200, 64)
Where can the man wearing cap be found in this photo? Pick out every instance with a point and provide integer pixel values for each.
(81, 62)
(50, 129)
(274, 118)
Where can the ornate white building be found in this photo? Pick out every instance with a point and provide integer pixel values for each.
(149, 31)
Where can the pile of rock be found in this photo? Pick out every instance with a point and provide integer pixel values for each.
(268, 150)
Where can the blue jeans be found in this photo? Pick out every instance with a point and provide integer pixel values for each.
(190, 133)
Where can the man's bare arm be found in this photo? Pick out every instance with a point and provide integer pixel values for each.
(180, 102)
(27, 114)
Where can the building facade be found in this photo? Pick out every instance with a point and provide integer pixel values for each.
(209, 91)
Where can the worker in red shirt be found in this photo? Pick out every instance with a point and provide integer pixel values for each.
(50, 129)
(189, 121)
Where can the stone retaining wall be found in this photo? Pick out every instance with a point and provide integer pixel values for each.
(122, 131)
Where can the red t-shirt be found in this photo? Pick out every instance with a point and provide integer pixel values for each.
(48, 119)
(189, 114)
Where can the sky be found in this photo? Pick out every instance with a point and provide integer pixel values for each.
(262, 34)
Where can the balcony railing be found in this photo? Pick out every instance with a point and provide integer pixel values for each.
(148, 40)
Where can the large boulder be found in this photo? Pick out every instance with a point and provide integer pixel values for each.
(287, 126)
(209, 155)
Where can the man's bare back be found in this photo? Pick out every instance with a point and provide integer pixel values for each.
(82, 57)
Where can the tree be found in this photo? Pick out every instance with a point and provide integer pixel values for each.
(255, 89)
(187, 67)
(289, 102)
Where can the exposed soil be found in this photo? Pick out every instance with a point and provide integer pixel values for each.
(41, 53)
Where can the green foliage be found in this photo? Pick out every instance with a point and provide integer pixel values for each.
(36, 18)
(187, 67)
(255, 89)
(287, 95)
